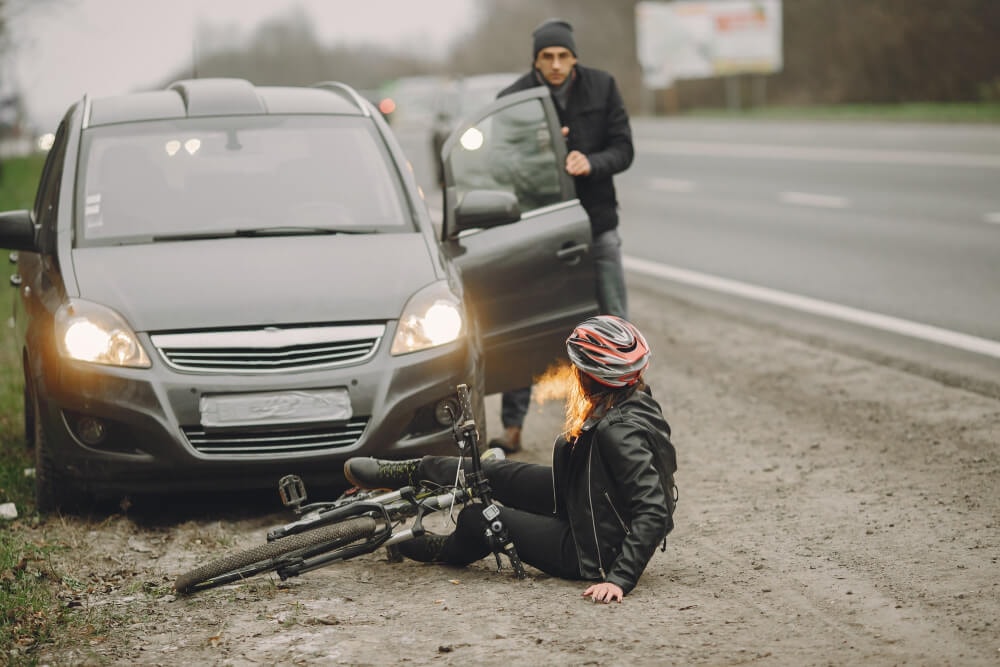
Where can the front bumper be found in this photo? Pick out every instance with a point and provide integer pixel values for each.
(156, 443)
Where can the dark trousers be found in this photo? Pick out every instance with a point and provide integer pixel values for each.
(543, 540)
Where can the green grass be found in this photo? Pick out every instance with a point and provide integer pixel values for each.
(29, 609)
(972, 112)
(18, 183)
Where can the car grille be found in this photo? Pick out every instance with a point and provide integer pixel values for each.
(269, 350)
(276, 441)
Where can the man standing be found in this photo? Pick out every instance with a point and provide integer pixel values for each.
(599, 141)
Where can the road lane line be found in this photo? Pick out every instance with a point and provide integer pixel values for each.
(819, 154)
(896, 325)
(809, 199)
(671, 185)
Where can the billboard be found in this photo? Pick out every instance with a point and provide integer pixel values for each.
(698, 39)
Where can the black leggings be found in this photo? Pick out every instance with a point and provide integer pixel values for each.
(543, 539)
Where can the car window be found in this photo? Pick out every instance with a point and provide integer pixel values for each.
(510, 150)
(201, 176)
(47, 197)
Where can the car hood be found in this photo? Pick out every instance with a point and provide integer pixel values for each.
(256, 281)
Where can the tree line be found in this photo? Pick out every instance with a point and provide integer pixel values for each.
(834, 51)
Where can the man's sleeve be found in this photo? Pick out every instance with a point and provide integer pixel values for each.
(617, 154)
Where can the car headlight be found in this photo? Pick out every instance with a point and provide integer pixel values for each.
(91, 332)
(432, 317)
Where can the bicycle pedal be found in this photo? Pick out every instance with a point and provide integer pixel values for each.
(292, 490)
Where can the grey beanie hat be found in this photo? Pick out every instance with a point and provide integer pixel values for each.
(554, 32)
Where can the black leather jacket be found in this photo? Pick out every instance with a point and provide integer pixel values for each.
(599, 128)
(606, 486)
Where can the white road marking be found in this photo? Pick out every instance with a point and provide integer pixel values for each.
(823, 308)
(671, 185)
(808, 199)
(820, 154)
(993, 217)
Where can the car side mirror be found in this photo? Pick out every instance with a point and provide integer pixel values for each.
(17, 230)
(482, 209)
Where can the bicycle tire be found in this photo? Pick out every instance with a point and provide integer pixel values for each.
(266, 557)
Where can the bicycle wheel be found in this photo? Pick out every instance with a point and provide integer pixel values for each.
(269, 556)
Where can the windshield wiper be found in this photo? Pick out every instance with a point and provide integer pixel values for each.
(263, 231)
(297, 230)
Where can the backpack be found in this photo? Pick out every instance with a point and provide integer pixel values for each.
(665, 462)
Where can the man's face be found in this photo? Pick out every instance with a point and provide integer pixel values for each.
(555, 63)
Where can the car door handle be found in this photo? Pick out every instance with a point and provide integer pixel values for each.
(571, 254)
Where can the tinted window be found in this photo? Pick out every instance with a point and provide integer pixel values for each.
(197, 176)
(510, 150)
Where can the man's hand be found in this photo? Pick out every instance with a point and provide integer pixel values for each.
(604, 592)
(577, 164)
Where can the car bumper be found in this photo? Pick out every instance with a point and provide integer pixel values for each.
(156, 442)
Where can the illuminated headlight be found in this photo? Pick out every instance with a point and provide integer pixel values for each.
(432, 317)
(90, 332)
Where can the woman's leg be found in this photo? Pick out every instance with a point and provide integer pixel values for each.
(515, 484)
(543, 542)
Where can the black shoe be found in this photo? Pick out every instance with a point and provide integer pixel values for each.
(427, 548)
(510, 442)
(369, 473)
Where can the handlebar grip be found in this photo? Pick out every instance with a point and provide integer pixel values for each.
(465, 402)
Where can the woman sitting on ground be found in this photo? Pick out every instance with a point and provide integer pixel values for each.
(599, 512)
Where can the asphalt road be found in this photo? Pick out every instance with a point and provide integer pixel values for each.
(883, 235)
(898, 220)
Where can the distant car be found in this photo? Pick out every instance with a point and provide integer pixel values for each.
(460, 97)
(221, 284)
(410, 101)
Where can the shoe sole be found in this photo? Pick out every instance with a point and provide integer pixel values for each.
(358, 485)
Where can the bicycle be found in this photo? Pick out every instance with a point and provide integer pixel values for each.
(363, 521)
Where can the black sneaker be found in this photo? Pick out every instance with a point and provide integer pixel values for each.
(427, 548)
(369, 473)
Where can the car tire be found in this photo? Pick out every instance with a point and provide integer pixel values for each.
(29, 414)
(53, 492)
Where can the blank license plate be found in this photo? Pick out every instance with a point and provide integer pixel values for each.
(279, 407)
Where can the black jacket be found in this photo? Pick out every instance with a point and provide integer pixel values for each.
(607, 488)
(599, 128)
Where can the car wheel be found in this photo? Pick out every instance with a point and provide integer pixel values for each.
(52, 491)
(29, 415)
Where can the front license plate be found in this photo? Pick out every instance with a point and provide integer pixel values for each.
(279, 407)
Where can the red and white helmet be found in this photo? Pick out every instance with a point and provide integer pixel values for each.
(609, 349)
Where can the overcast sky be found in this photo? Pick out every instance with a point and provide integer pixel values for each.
(70, 47)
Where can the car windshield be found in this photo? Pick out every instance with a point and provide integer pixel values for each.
(205, 177)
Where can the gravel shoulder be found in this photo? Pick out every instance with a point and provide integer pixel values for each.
(833, 510)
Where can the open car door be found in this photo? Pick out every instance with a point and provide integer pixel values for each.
(528, 273)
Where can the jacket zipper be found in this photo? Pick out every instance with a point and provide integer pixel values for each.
(593, 517)
(555, 497)
(618, 516)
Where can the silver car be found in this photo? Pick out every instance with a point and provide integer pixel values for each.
(222, 283)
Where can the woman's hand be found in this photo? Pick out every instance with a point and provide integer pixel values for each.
(604, 592)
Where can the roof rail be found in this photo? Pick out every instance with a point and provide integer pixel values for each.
(347, 93)
(86, 111)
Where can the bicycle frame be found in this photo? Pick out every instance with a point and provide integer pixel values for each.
(362, 521)
(391, 507)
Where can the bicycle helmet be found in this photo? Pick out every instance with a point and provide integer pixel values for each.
(609, 350)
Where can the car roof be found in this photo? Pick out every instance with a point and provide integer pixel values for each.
(224, 97)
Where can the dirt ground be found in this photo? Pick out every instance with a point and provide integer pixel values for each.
(833, 511)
